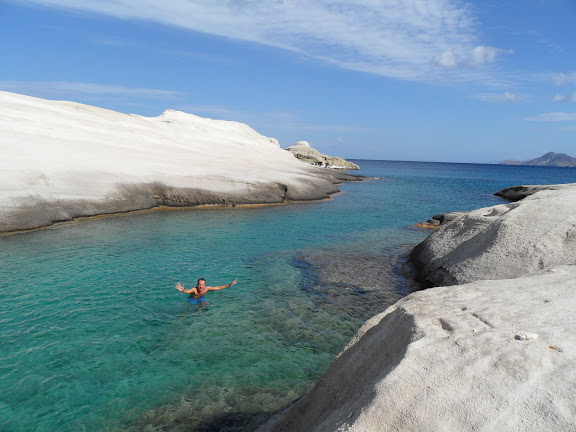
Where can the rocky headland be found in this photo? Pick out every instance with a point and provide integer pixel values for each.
(64, 160)
(302, 151)
(490, 346)
(549, 159)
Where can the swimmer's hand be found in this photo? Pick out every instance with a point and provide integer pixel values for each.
(180, 287)
(218, 288)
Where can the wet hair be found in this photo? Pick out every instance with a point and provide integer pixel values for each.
(198, 283)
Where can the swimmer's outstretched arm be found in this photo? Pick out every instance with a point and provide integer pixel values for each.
(181, 288)
(218, 288)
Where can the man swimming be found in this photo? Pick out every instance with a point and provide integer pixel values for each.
(197, 293)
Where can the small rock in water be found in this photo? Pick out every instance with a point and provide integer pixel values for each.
(526, 336)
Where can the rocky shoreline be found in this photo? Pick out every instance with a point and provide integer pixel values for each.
(32, 212)
(491, 349)
(535, 232)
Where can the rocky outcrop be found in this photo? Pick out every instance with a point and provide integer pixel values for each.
(549, 159)
(486, 356)
(34, 212)
(440, 219)
(305, 153)
(516, 193)
(496, 353)
(63, 160)
(500, 242)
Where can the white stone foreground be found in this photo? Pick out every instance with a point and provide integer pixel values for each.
(484, 356)
(61, 160)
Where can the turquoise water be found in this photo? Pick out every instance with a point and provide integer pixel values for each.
(94, 336)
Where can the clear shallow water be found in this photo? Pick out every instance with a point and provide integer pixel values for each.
(94, 336)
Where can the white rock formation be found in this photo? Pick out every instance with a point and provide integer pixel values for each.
(453, 359)
(62, 160)
(489, 355)
(302, 151)
(502, 241)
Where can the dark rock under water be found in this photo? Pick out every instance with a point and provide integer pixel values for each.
(342, 281)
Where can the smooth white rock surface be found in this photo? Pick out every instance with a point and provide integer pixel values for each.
(503, 241)
(449, 359)
(64, 159)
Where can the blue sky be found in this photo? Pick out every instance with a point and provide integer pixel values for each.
(429, 80)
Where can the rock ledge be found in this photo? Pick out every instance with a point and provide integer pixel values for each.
(305, 153)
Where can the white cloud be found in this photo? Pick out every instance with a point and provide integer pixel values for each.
(500, 97)
(406, 39)
(561, 79)
(565, 98)
(446, 59)
(482, 55)
(78, 89)
(553, 117)
(475, 57)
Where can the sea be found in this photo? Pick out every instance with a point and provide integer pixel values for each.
(94, 335)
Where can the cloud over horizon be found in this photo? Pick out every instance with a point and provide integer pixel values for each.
(419, 40)
(571, 98)
(561, 79)
(477, 56)
(553, 117)
(500, 97)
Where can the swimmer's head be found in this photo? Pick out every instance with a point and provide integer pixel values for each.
(201, 283)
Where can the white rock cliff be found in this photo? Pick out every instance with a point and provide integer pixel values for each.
(62, 160)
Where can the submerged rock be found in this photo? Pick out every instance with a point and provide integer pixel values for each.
(305, 153)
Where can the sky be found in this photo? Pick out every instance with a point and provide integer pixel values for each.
(423, 80)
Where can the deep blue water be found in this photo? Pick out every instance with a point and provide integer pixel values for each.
(94, 336)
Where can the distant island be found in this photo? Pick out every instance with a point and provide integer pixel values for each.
(549, 159)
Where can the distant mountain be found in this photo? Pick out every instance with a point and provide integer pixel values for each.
(549, 159)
